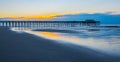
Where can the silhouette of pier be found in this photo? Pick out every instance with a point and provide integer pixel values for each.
(31, 25)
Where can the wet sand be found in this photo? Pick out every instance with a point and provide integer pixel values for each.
(24, 47)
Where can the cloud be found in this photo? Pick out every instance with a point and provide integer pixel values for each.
(105, 18)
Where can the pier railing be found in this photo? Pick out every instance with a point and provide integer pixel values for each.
(46, 24)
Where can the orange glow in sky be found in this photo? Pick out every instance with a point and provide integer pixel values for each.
(37, 8)
(36, 17)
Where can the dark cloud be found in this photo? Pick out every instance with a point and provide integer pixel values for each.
(105, 18)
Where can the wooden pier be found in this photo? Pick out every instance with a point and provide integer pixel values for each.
(47, 24)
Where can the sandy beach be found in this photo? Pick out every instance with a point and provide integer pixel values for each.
(25, 47)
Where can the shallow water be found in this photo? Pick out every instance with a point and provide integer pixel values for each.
(106, 41)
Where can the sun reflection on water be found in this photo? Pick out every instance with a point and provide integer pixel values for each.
(106, 45)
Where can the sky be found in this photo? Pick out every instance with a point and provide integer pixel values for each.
(36, 8)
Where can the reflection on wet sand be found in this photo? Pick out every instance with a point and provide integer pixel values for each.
(56, 36)
(48, 34)
(109, 46)
(26, 47)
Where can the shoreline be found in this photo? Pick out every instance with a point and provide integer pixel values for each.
(24, 47)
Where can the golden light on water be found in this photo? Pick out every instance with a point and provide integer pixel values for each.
(48, 34)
